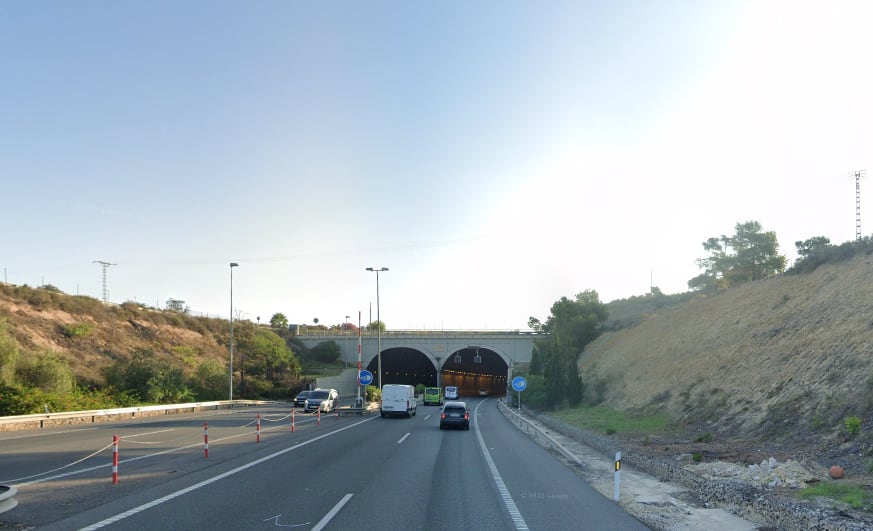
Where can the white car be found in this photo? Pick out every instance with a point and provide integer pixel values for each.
(324, 400)
(451, 392)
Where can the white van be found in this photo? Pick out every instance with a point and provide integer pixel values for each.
(397, 399)
(451, 392)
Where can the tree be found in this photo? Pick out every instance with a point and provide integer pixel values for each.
(8, 355)
(279, 321)
(176, 305)
(326, 351)
(268, 361)
(749, 254)
(210, 381)
(376, 325)
(570, 327)
(812, 246)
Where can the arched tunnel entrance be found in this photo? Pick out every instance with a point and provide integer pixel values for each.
(473, 370)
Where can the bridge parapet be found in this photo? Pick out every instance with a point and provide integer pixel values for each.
(514, 346)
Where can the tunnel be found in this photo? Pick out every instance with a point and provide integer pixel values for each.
(475, 371)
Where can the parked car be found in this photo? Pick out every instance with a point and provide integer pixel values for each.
(455, 414)
(300, 399)
(324, 400)
(398, 399)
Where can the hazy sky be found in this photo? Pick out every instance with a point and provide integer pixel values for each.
(495, 155)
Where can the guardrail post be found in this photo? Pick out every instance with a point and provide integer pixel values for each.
(115, 459)
(206, 440)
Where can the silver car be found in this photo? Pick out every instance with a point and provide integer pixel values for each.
(324, 400)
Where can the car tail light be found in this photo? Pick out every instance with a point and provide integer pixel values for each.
(443, 415)
(467, 416)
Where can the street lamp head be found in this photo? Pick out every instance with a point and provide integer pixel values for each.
(234, 264)
(377, 270)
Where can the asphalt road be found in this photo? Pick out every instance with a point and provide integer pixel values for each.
(342, 473)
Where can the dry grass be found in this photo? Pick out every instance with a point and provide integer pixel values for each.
(773, 357)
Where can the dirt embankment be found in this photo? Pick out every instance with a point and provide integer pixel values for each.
(770, 367)
(93, 340)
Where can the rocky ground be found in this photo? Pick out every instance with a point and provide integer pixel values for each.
(749, 487)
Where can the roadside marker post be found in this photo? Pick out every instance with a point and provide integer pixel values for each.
(617, 486)
(205, 440)
(115, 459)
(319, 416)
(292, 421)
(258, 429)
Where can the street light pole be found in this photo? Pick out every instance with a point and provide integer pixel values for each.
(378, 326)
(230, 365)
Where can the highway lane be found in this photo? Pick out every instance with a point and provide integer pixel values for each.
(548, 494)
(351, 472)
(152, 451)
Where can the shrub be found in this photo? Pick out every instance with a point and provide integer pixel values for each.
(697, 457)
(704, 437)
(374, 394)
(419, 389)
(48, 372)
(852, 424)
(77, 330)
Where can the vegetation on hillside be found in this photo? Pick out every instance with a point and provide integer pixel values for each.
(269, 362)
(35, 380)
(750, 254)
(554, 373)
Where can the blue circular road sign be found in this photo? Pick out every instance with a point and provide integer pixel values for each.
(366, 377)
(519, 383)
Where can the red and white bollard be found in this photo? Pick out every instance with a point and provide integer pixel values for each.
(292, 421)
(205, 440)
(318, 422)
(258, 428)
(114, 459)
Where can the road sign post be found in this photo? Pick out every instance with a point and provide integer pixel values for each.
(519, 384)
(365, 378)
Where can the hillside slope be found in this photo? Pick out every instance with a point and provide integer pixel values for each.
(42, 322)
(784, 359)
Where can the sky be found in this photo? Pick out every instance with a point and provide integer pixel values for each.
(494, 155)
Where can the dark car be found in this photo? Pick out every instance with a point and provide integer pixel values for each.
(455, 414)
(300, 400)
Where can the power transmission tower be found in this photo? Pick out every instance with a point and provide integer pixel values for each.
(105, 266)
(857, 175)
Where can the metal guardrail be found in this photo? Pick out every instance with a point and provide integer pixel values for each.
(44, 420)
(7, 501)
(529, 427)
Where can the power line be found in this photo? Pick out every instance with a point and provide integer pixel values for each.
(105, 266)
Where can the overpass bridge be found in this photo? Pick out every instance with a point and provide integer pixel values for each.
(470, 360)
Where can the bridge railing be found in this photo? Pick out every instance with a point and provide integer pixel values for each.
(418, 333)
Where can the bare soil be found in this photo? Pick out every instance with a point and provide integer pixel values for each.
(770, 368)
